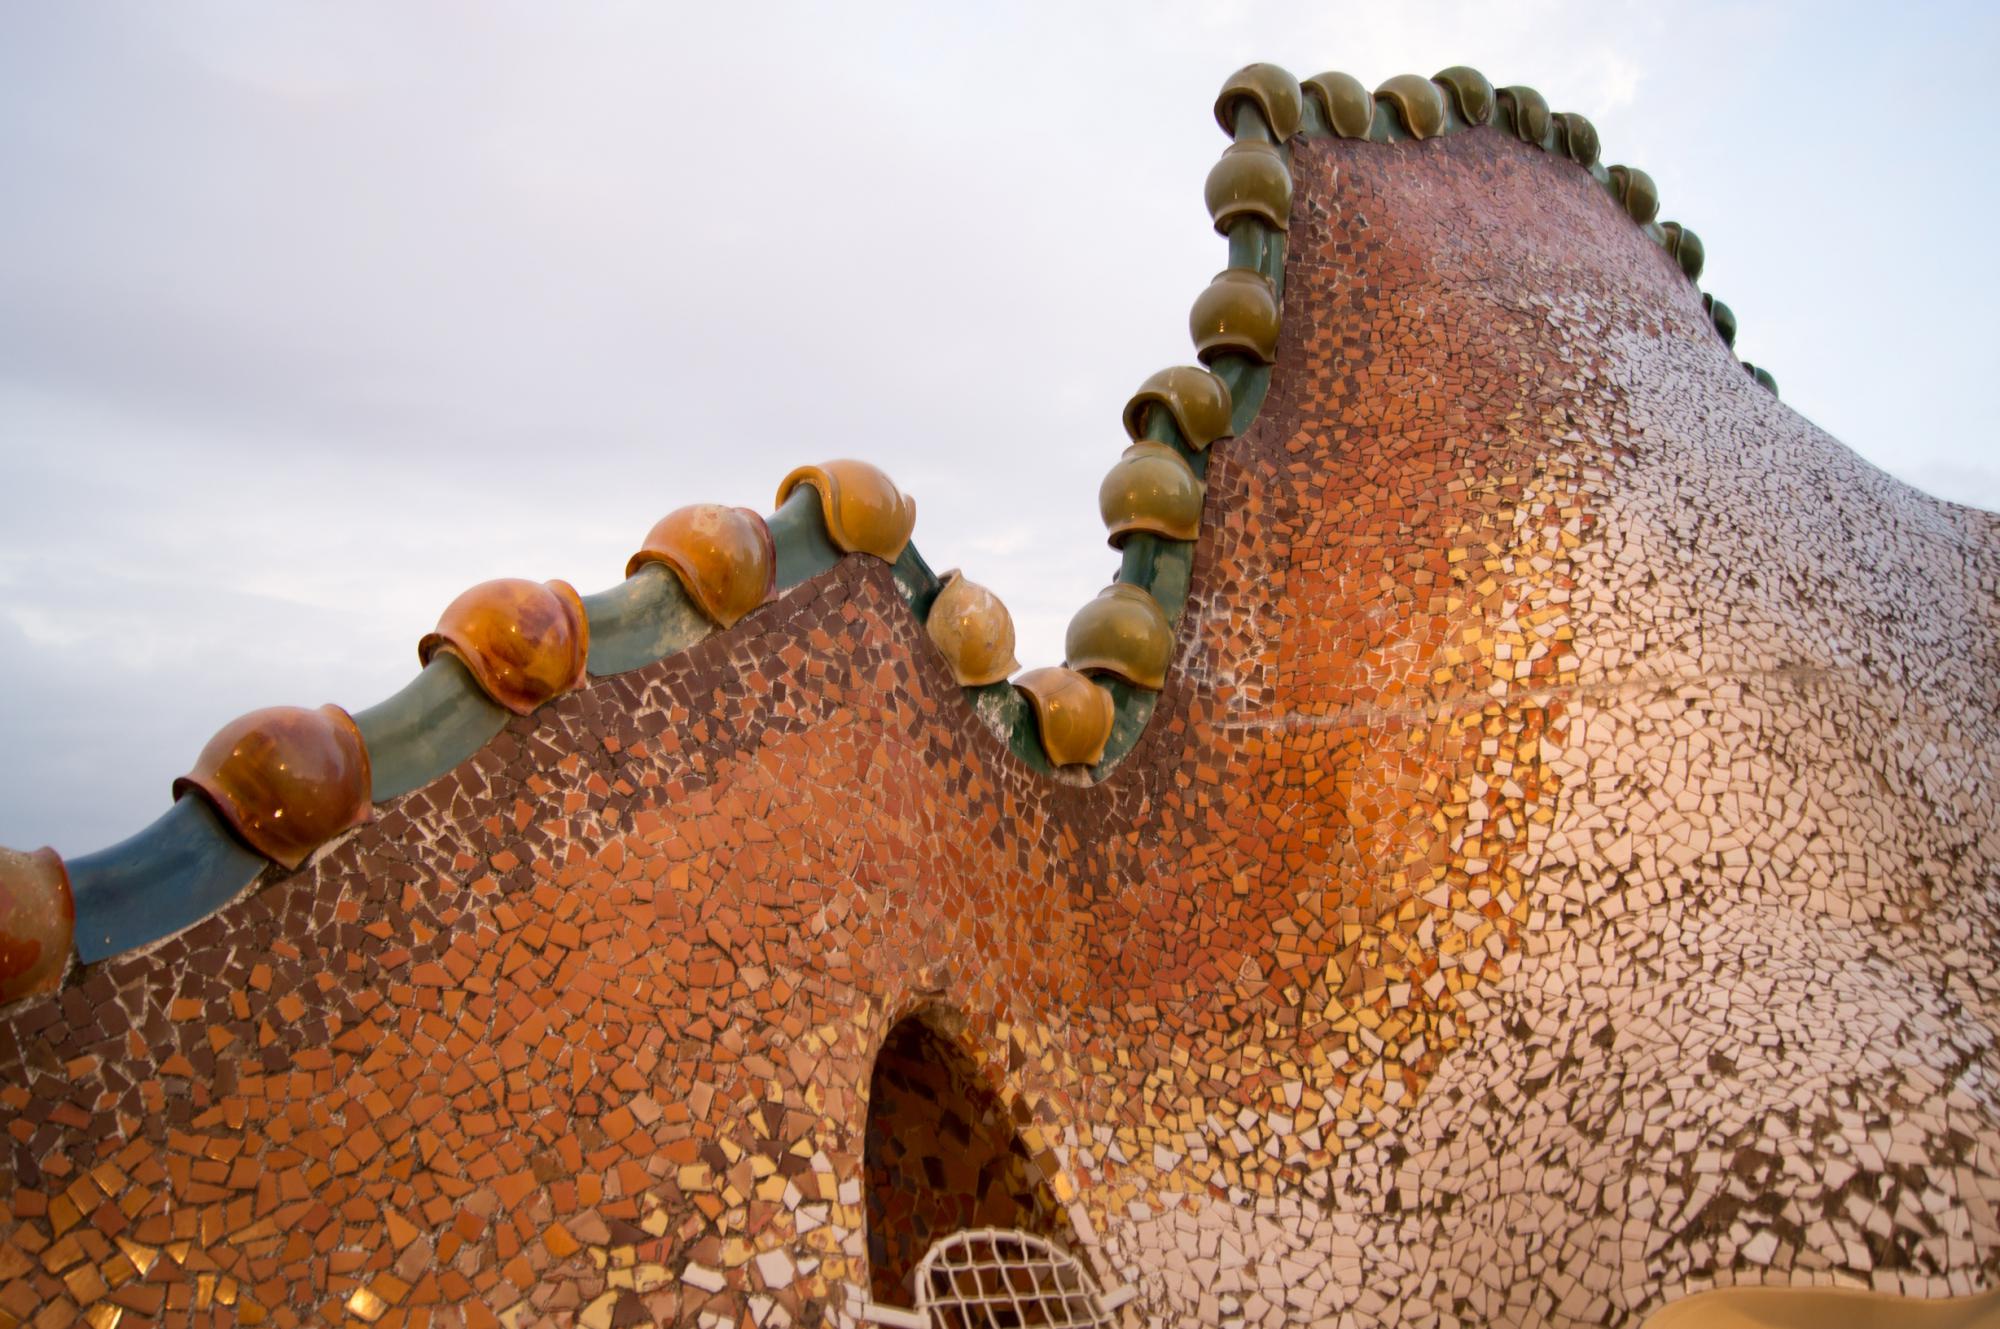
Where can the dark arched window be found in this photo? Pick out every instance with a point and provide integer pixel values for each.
(942, 1156)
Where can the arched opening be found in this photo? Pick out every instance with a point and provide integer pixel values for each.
(942, 1155)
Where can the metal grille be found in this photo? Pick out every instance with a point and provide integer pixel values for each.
(994, 1278)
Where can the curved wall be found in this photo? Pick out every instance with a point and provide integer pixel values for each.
(1559, 873)
(1599, 809)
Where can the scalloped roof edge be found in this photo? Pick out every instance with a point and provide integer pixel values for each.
(689, 581)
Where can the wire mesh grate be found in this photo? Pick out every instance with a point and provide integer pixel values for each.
(995, 1278)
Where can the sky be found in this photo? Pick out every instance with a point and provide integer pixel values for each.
(312, 316)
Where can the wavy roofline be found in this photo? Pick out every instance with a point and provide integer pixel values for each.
(511, 647)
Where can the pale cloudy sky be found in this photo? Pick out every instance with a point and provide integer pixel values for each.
(313, 315)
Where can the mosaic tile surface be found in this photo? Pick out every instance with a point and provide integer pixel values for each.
(1561, 873)
(1643, 937)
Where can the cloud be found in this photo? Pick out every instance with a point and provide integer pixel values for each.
(1959, 482)
(310, 318)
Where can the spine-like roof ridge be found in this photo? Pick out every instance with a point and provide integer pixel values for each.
(278, 785)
